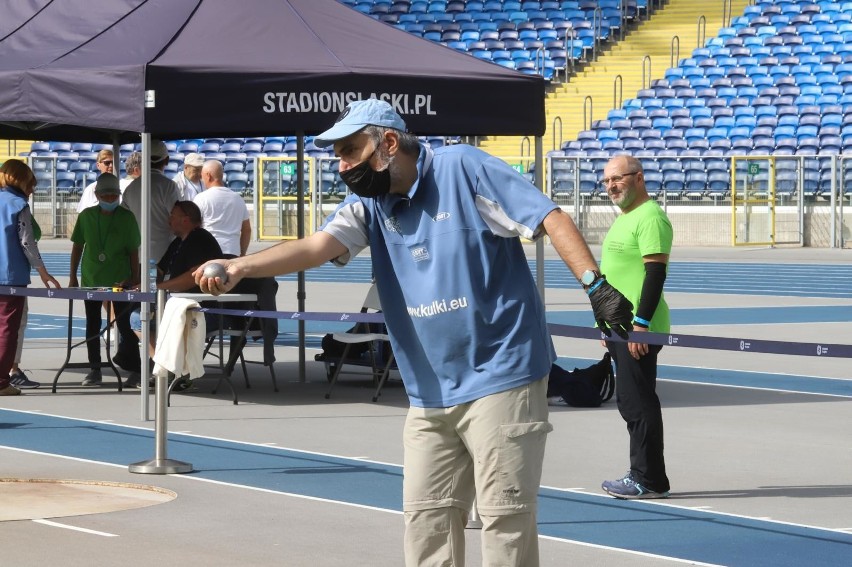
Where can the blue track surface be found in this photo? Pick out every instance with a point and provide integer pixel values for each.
(650, 528)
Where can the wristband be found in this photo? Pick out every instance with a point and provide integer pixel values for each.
(641, 321)
(595, 285)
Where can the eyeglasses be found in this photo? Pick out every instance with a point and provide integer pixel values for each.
(612, 179)
(107, 163)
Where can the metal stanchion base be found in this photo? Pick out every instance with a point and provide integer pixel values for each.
(160, 466)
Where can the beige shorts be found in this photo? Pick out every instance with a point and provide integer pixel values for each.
(492, 448)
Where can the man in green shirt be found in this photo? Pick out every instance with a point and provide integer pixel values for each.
(107, 238)
(635, 257)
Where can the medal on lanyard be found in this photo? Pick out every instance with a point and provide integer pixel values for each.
(103, 238)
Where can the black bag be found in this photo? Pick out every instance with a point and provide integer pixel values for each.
(332, 350)
(583, 388)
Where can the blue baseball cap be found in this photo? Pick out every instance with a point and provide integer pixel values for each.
(359, 115)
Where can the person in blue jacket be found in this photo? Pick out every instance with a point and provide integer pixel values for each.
(18, 253)
(466, 322)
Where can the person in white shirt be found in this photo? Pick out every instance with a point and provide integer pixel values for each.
(164, 195)
(105, 165)
(224, 213)
(189, 180)
(132, 169)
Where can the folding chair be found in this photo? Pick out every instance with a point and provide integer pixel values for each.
(240, 329)
(377, 352)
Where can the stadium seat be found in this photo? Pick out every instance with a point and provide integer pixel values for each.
(66, 182)
(237, 181)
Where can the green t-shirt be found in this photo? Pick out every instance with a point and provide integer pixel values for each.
(644, 230)
(114, 236)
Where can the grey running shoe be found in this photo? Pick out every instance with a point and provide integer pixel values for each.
(92, 379)
(627, 488)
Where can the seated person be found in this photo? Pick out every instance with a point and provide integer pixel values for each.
(192, 247)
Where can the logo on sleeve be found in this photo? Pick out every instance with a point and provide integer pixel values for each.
(392, 225)
(442, 216)
(420, 254)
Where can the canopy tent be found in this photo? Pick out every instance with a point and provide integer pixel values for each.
(110, 70)
(79, 70)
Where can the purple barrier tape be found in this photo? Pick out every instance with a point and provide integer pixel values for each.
(831, 350)
(95, 294)
(688, 341)
(716, 343)
(303, 315)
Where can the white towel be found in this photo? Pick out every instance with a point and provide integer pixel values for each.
(180, 340)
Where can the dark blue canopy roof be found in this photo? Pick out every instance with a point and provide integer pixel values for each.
(84, 69)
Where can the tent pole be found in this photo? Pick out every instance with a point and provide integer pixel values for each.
(144, 257)
(300, 233)
(539, 244)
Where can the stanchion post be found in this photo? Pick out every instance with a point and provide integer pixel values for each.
(160, 464)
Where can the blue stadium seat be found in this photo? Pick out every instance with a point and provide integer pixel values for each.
(187, 147)
(673, 184)
(66, 182)
(695, 184)
(237, 181)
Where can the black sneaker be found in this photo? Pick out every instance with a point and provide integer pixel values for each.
(126, 362)
(22, 381)
(182, 384)
(92, 379)
(134, 380)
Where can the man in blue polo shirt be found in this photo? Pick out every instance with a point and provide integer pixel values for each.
(465, 319)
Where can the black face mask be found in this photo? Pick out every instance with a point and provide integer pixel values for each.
(364, 181)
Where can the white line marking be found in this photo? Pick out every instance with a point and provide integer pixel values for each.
(714, 512)
(630, 551)
(75, 528)
(645, 502)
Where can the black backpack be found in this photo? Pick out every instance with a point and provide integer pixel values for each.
(583, 388)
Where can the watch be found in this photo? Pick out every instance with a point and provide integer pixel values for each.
(589, 277)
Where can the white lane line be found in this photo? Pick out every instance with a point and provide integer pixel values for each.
(629, 551)
(75, 528)
(396, 465)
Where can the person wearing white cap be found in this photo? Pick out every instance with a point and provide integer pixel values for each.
(106, 238)
(466, 322)
(164, 195)
(189, 180)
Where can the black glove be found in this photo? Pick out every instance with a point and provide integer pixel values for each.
(612, 310)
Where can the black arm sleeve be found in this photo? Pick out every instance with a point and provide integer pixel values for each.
(652, 290)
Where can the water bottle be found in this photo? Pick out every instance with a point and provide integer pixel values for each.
(152, 276)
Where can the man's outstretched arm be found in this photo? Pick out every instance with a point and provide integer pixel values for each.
(284, 258)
